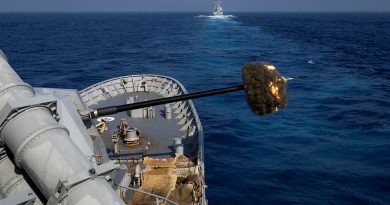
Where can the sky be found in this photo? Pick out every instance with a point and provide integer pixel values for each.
(192, 5)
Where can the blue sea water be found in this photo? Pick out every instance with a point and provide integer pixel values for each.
(331, 145)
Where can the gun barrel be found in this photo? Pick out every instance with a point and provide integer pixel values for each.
(116, 109)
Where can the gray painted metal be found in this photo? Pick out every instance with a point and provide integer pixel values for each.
(179, 147)
(156, 131)
(12, 181)
(22, 198)
(2, 55)
(43, 148)
(168, 111)
(55, 148)
(68, 105)
(159, 131)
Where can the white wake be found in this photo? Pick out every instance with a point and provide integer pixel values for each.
(216, 17)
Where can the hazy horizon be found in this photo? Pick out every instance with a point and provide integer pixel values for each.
(194, 6)
(200, 12)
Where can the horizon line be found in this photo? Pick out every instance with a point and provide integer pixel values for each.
(194, 12)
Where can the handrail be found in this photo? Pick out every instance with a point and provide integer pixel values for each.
(150, 194)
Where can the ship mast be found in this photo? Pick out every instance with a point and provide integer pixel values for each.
(218, 8)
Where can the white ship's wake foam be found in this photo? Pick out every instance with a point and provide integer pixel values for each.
(216, 17)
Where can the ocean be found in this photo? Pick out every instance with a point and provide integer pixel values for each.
(330, 145)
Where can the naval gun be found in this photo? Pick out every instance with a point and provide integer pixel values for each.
(264, 87)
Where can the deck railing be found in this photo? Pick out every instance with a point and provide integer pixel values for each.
(157, 197)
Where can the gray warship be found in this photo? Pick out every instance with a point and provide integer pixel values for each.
(218, 11)
(134, 139)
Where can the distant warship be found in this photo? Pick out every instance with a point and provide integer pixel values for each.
(135, 139)
(218, 11)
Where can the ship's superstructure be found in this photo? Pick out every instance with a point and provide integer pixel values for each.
(145, 156)
(53, 155)
(161, 146)
(218, 11)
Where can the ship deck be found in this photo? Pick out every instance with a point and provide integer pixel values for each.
(157, 134)
(164, 171)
